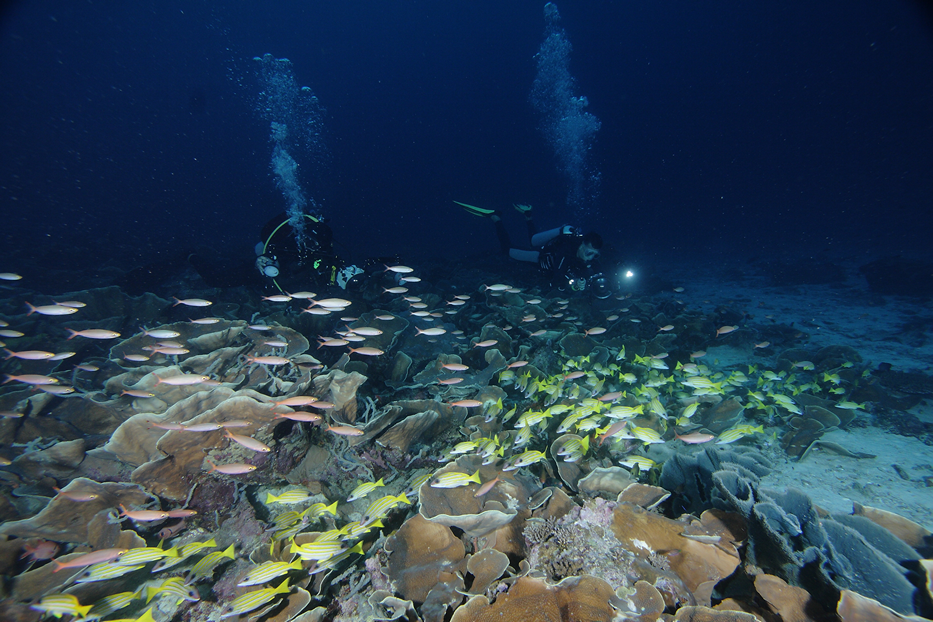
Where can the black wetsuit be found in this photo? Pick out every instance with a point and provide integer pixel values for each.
(314, 264)
(558, 258)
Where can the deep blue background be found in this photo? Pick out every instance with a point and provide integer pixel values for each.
(729, 129)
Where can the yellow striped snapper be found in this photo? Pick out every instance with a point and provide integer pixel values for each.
(206, 565)
(487, 446)
(568, 422)
(658, 380)
(691, 369)
(317, 550)
(59, 604)
(625, 412)
(145, 617)
(740, 431)
(493, 409)
(415, 486)
(559, 409)
(493, 457)
(526, 458)
(592, 403)
(245, 603)
(364, 489)
(174, 586)
(454, 479)
(656, 363)
(268, 571)
(380, 508)
(289, 532)
(736, 378)
(522, 438)
(522, 381)
(318, 509)
(590, 423)
(354, 530)
(110, 604)
(510, 414)
(105, 571)
(701, 382)
(657, 408)
(690, 410)
(463, 447)
(531, 387)
(185, 551)
(646, 435)
(574, 449)
(781, 399)
(847, 405)
(288, 519)
(331, 535)
(288, 497)
(628, 378)
(531, 418)
(331, 562)
(643, 463)
(645, 392)
(144, 555)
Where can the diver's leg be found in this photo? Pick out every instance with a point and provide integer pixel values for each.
(530, 223)
(504, 243)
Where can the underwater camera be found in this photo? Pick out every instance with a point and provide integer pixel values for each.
(600, 285)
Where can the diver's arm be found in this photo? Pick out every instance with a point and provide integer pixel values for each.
(540, 239)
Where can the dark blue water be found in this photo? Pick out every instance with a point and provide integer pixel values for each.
(128, 131)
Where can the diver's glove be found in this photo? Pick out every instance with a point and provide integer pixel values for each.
(570, 230)
(267, 266)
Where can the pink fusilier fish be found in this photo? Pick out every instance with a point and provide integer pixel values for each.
(695, 438)
(93, 333)
(182, 380)
(299, 416)
(89, 559)
(29, 355)
(486, 487)
(51, 310)
(298, 400)
(143, 516)
(344, 430)
(234, 468)
(248, 441)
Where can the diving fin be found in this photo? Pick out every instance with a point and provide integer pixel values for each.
(476, 211)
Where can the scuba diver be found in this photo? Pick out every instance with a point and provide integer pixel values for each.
(280, 265)
(286, 265)
(564, 254)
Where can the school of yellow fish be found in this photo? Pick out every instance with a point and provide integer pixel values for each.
(616, 405)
